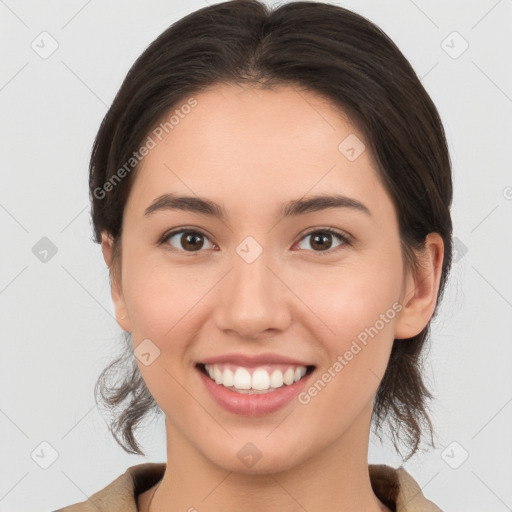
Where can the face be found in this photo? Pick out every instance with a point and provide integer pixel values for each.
(197, 286)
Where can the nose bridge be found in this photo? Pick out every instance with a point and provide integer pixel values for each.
(251, 279)
(253, 298)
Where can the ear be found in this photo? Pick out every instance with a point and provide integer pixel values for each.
(107, 244)
(419, 294)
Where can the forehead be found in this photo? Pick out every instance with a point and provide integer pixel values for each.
(240, 143)
(239, 121)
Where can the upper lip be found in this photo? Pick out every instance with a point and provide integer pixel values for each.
(249, 361)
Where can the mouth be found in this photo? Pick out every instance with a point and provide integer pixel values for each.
(262, 379)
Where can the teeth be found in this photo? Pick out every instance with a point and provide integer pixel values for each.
(260, 380)
(228, 378)
(240, 378)
(217, 375)
(288, 376)
(276, 379)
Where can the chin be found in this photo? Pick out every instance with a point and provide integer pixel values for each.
(252, 458)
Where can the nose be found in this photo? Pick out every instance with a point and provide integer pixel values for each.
(254, 301)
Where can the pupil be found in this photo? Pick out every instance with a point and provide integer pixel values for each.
(323, 236)
(189, 239)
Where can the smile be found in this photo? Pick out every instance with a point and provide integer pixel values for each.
(265, 378)
(253, 391)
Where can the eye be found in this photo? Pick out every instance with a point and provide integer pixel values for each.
(322, 239)
(190, 240)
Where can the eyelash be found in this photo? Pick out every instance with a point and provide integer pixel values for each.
(345, 238)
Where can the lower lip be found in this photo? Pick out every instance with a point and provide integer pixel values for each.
(253, 405)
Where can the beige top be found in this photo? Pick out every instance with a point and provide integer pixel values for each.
(394, 487)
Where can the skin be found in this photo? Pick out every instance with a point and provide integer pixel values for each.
(250, 150)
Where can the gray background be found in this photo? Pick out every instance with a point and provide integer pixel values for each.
(57, 326)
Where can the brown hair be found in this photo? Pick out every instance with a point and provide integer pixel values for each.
(335, 53)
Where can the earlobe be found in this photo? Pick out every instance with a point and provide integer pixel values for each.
(107, 243)
(419, 295)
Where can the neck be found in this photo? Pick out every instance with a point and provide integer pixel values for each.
(330, 480)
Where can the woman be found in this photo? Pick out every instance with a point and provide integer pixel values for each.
(271, 190)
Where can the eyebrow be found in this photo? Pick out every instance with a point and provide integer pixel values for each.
(166, 202)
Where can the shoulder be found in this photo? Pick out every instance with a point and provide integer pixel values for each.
(121, 494)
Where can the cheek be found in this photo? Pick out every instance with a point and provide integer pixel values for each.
(353, 298)
(343, 299)
(159, 295)
(360, 317)
(162, 305)
(359, 306)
